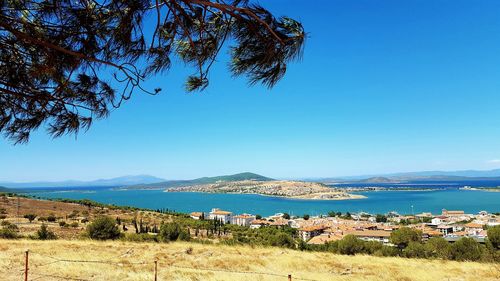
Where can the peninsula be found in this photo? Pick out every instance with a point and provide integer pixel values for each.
(278, 188)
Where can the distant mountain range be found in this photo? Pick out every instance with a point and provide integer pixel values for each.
(204, 180)
(119, 181)
(146, 181)
(462, 173)
(425, 176)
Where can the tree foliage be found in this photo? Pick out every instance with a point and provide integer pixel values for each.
(403, 236)
(60, 58)
(466, 249)
(103, 228)
(172, 232)
(350, 245)
(30, 217)
(494, 236)
(45, 234)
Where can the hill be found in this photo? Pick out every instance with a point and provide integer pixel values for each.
(193, 261)
(200, 181)
(423, 175)
(378, 180)
(125, 180)
(288, 189)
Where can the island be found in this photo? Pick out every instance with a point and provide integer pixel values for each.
(277, 188)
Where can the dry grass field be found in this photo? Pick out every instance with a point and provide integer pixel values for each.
(191, 261)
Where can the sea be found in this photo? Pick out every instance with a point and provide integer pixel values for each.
(428, 198)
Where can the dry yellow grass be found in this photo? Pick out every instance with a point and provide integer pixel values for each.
(174, 256)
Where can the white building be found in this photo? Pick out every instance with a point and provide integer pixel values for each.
(220, 215)
(243, 219)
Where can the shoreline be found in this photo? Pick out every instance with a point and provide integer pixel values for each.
(300, 197)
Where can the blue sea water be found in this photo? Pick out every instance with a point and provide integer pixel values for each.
(376, 202)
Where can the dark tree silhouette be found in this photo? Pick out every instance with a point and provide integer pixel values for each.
(53, 54)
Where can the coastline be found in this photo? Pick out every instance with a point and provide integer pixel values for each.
(299, 197)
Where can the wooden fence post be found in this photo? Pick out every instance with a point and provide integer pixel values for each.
(289, 277)
(26, 265)
(156, 270)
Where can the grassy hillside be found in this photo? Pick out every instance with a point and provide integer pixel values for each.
(204, 180)
(180, 261)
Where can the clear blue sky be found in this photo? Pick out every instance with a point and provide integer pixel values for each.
(384, 86)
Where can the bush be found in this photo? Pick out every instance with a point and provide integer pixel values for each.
(2, 217)
(74, 224)
(414, 250)
(370, 247)
(494, 236)
(30, 217)
(283, 240)
(173, 232)
(51, 218)
(9, 230)
(380, 218)
(350, 245)
(387, 251)
(438, 247)
(62, 224)
(403, 236)
(103, 228)
(140, 237)
(466, 249)
(45, 234)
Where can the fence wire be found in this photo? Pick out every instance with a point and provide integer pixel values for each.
(38, 276)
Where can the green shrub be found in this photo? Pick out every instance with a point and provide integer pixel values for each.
(438, 247)
(103, 228)
(62, 224)
(350, 245)
(51, 218)
(173, 232)
(30, 217)
(403, 236)
(387, 251)
(74, 224)
(9, 231)
(370, 247)
(466, 249)
(415, 250)
(140, 237)
(45, 234)
(283, 240)
(494, 236)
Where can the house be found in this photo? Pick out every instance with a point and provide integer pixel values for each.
(371, 235)
(220, 215)
(243, 219)
(279, 223)
(258, 223)
(445, 212)
(483, 213)
(197, 215)
(423, 215)
(309, 232)
(438, 220)
(473, 228)
(323, 238)
(445, 229)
